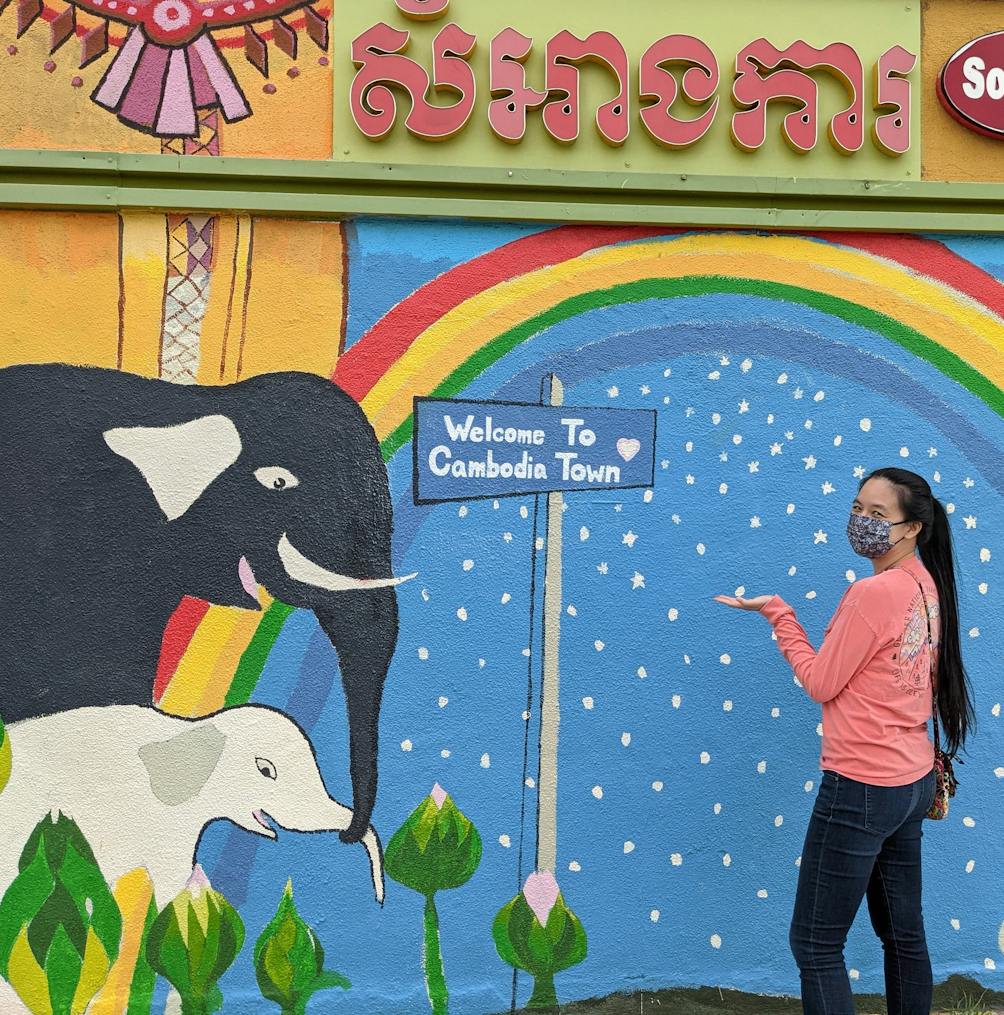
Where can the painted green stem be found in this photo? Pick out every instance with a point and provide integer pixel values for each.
(194, 1006)
(544, 995)
(435, 979)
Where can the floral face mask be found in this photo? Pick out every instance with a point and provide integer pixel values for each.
(869, 537)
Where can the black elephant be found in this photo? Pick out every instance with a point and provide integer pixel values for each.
(124, 494)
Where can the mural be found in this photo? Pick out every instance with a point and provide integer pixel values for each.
(201, 541)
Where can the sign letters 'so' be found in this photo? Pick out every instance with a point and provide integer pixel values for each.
(971, 85)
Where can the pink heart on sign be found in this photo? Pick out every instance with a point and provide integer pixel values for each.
(628, 447)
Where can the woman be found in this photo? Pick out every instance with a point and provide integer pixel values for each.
(872, 676)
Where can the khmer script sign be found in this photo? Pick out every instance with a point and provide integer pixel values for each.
(465, 450)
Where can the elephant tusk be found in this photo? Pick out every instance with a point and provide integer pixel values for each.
(303, 569)
(375, 854)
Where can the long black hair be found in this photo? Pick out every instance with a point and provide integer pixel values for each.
(918, 503)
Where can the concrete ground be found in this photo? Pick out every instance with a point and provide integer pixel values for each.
(957, 996)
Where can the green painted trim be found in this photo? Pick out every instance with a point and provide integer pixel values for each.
(674, 288)
(325, 189)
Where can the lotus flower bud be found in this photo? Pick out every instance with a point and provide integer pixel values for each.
(5, 757)
(289, 960)
(60, 927)
(537, 932)
(436, 848)
(193, 942)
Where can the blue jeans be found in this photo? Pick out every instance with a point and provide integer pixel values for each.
(862, 841)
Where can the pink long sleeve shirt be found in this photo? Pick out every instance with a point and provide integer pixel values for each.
(872, 674)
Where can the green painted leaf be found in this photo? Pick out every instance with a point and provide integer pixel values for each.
(22, 900)
(62, 970)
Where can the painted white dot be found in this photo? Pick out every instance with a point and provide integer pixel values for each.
(575, 866)
(974, 632)
(523, 512)
(726, 706)
(443, 701)
(481, 664)
(676, 859)
(583, 533)
(642, 673)
(714, 375)
(725, 659)
(984, 556)
(808, 786)
(775, 713)
(625, 739)
(676, 701)
(984, 588)
(761, 893)
(850, 575)
(628, 847)
(837, 441)
(598, 792)
(462, 511)
(599, 645)
(727, 860)
(716, 418)
(717, 808)
(792, 571)
(705, 758)
(647, 496)
(969, 822)
(423, 653)
(444, 753)
(854, 974)
(779, 821)
(999, 772)
(700, 549)
(955, 923)
(657, 785)
(996, 710)
(811, 594)
(723, 488)
(667, 372)
(462, 613)
(970, 866)
(904, 452)
(761, 767)
(505, 598)
(950, 509)
(572, 611)
(406, 745)
(716, 941)
(530, 783)
(790, 509)
(486, 761)
(866, 425)
(689, 446)
(798, 861)
(989, 964)
(819, 729)
(468, 565)
(673, 613)
(587, 704)
(782, 378)
(654, 916)
(505, 841)
(741, 591)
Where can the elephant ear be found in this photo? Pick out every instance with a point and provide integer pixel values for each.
(179, 768)
(178, 462)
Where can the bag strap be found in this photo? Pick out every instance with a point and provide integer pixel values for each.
(930, 649)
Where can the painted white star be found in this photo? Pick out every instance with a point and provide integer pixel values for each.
(613, 392)
(968, 483)
(799, 392)
(744, 406)
(775, 449)
(638, 581)
(810, 462)
(753, 467)
(770, 417)
(507, 536)
(690, 480)
(689, 411)
(676, 519)
(723, 457)
(932, 452)
(828, 488)
(725, 361)
(629, 539)
(789, 435)
(970, 521)
(859, 472)
(645, 389)
(819, 537)
(602, 567)
(755, 522)
(618, 508)
(664, 464)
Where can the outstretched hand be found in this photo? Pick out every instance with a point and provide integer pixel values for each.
(741, 603)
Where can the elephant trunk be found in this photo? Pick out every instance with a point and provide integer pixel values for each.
(362, 626)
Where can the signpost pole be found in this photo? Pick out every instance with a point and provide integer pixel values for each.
(547, 771)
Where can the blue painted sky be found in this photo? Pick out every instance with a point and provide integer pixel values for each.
(689, 758)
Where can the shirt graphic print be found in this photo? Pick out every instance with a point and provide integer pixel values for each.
(913, 672)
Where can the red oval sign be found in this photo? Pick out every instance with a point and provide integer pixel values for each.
(971, 85)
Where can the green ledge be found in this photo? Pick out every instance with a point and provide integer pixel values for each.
(101, 181)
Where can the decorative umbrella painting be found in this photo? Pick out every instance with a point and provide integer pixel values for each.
(171, 67)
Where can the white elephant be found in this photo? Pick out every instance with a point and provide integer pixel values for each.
(142, 786)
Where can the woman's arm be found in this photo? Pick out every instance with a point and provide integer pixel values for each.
(850, 642)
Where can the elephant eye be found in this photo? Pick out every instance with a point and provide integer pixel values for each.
(266, 767)
(274, 477)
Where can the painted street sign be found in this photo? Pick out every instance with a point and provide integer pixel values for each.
(467, 450)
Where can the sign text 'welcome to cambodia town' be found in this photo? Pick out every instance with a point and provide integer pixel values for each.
(468, 450)
(673, 67)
